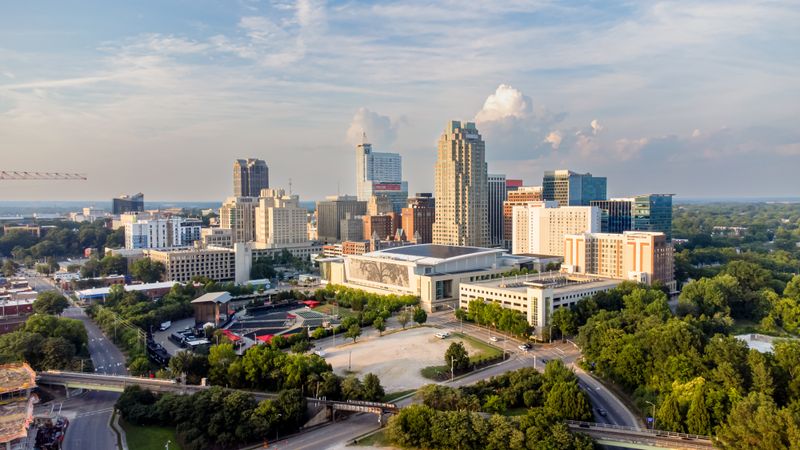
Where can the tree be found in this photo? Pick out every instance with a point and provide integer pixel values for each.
(697, 419)
(379, 325)
(668, 416)
(420, 316)
(352, 389)
(373, 391)
(566, 400)
(50, 302)
(404, 317)
(9, 268)
(494, 404)
(752, 424)
(456, 356)
(148, 271)
(220, 357)
(353, 332)
(564, 320)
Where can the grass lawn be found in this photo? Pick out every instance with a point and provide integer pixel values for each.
(329, 309)
(148, 438)
(435, 372)
(378, 439)
(391, 396)
(485, 350)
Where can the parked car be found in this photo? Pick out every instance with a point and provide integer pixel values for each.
(602, 412)
(165, 325)
(442, 335)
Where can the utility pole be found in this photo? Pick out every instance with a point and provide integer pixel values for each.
(452, 372)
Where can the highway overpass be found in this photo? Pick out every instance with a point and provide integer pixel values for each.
(628, 437)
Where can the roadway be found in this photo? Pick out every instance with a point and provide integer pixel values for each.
(91, 411)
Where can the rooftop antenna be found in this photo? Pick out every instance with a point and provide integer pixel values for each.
(363, 137)
(290, 186)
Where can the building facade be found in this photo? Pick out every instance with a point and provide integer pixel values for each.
(517, 197)
(539, 227)
(280, 221)
(238, 214)
(641, 256)
(351, 228)
(497, 195)
(569, 188)
(127, 203)
(215, 263)
(536, 296)
(250, 176)
(461, 188)
(161, 233)
(648, 212)
(379, 173)
(330, 213)
(431, 271)
(418, 217)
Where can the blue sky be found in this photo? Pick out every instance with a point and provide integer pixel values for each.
(695, 98)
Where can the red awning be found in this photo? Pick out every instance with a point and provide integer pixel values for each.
(311, 303)
(267, 338)
(290, 316)
(231, 336)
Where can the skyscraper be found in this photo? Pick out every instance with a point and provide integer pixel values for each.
(418, 218)
(497, 195)
(250, 176)
(380, 174)
(280, 220)
(539, 227)
(239, 215)
(573, 189)
(648, 212)
(461, 187)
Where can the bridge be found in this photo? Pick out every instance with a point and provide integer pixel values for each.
(118, 383)
(628, 437)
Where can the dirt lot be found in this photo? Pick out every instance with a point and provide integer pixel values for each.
(396, 358)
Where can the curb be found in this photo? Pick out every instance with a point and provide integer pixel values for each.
(355, 440)
(113, 423)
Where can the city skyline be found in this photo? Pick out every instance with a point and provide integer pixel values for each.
(634, 96)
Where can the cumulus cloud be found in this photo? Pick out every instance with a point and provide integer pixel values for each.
(596, 127)
(514, 128)
(554, 139)
(381, 130)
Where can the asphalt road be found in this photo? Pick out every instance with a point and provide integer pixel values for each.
(89, 428)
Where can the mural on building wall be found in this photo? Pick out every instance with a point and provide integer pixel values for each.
(379, 272)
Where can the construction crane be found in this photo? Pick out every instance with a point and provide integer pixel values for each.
(22, 175)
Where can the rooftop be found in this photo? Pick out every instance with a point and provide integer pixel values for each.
(103, 291)
(555, 280)
(16, 377)
(437, 251)
(213, 297)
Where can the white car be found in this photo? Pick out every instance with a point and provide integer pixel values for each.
(320, 353)
(442, 335)
(494, 339)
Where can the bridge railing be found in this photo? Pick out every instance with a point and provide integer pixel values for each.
(656, 433)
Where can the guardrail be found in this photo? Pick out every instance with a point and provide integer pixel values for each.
(642, 431)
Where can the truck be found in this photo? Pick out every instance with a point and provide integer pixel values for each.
(165, 325)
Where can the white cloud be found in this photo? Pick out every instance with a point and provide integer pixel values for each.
(596, 127)
(381, 131)
(505, 102)
(554, 139)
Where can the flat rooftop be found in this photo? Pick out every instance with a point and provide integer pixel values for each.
(432, 253)
(16, 377)
(561, 282)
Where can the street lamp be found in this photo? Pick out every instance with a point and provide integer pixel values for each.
(166, 446)
(654, 413)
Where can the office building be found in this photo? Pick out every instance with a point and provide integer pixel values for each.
(641, 256)
(418, 217)
(498, 192)
(216, 237)
(330, 213)
(215, 263)
(380, 173)
(537, 295)
(383, 227)
(280, 220)
(648, 212)
(352, 228)
(127, 203)
(539, 227)
(431, 271)
(379, 204)
(569, 188)
(461, 188)
(250, 176)
(519, 196)
(161, 233)
(238, 214)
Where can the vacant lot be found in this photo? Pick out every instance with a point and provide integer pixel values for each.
(396, 358)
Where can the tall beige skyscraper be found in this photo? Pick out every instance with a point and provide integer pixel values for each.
(461, 187)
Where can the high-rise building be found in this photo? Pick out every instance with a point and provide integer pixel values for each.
(250, 176)
(569, 188)
(239, 215)
(649, 212)
(418, 218)
(645, 257)
(382, 226)
(161, 233)
(539, 227)
(379, 204)
(461, 188)
(330, 213)
(498, 191)
(379, 173)
(517, 197)
(351, 228)
(280, 220)
(128, 203)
